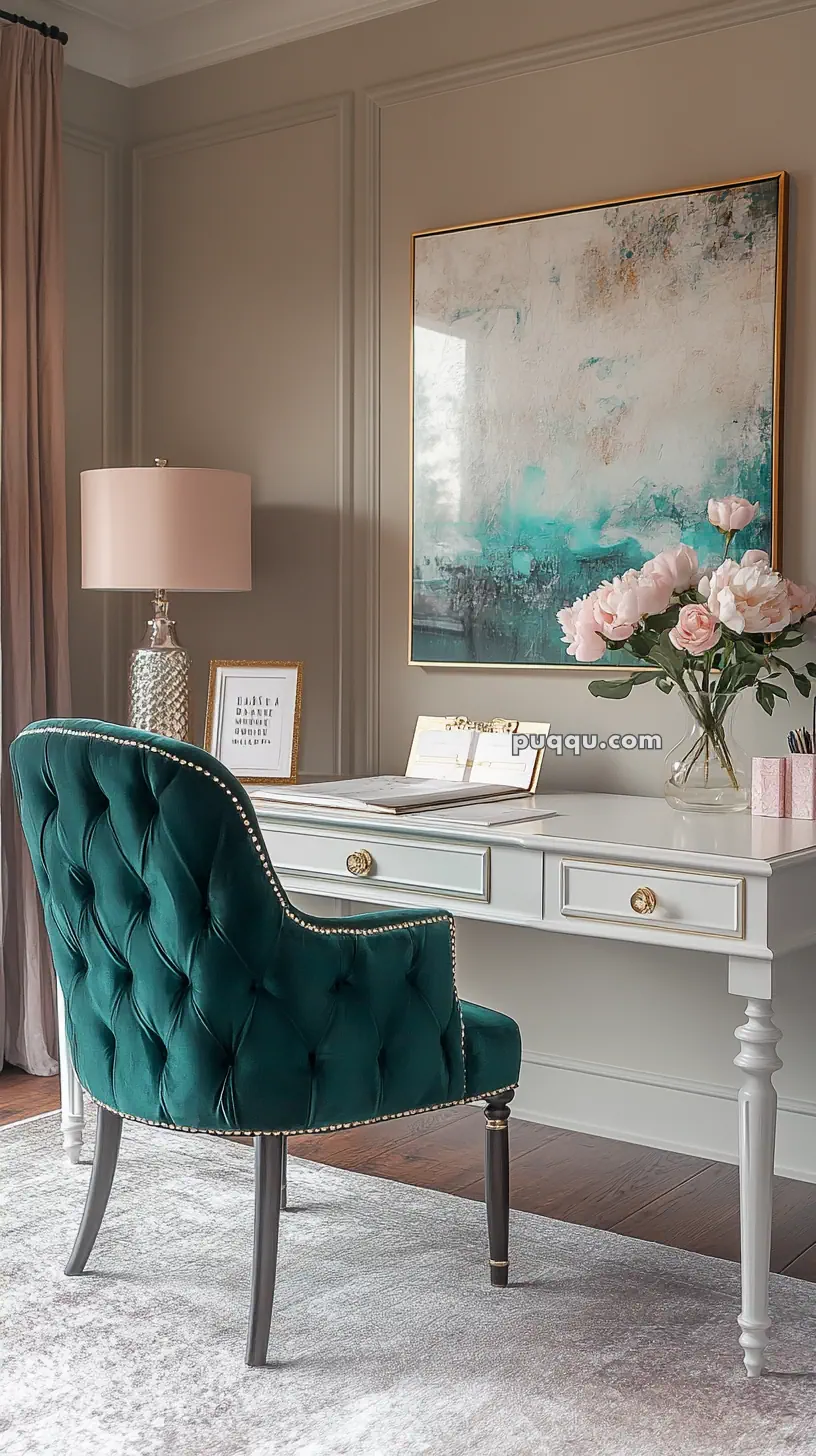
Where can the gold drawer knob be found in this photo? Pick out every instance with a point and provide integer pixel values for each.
(360, 862)
(643, 901)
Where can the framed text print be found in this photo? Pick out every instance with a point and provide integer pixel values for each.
(253, 719)
(583, 381)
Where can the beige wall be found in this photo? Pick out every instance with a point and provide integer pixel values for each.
(254, 352)
(96, 140)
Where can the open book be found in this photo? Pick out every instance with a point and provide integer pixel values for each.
(451, 762)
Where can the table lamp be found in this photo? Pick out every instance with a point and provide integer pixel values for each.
(160, 529)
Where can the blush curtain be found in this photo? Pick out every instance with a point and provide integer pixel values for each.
(34, 673)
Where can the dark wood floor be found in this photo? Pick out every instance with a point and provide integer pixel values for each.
(689, 1203)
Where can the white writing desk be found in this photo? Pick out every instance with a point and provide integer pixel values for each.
(609, 867)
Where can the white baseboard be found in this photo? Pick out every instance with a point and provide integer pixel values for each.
(643, 1107)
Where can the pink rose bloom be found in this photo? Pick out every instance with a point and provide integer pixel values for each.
(696, 630)
(677, 567)
(801, 600)
(755, 558)
(747, 598)
(731, 513)
(581, 634)
(617, 607)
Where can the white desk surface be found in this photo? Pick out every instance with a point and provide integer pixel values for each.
(589, 823)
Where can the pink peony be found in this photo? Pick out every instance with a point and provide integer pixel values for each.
(755, 558)
(731, 513)
(618, 607)
(678, 568)
(581, 633)
(696, 631)
(747, 598)
(801, 600)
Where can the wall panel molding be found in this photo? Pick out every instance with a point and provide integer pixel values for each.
(349, 630)
(367, 432)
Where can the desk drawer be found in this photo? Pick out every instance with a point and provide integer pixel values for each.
(654, 898)
(457, 871)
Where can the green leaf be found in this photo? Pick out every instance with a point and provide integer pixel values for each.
(665, 684)
(745, 652)
(666, 655)
(661, 621)
(767, 695)
(621, 688)
(607, 688)
(810, 668)
(765, 698)
(802, 682)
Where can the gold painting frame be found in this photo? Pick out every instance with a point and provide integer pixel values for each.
(782, 179)
(212, 741)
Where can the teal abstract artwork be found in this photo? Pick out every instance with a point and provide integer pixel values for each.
(583, 382)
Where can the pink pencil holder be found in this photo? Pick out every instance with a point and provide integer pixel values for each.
(800, 788)
(769, 786)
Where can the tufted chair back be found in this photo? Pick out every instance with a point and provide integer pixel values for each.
(196, 995)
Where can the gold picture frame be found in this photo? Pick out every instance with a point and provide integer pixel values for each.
(781, 178)
(256, 748)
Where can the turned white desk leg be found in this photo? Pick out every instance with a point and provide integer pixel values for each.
(757, 1134)
(71, 1097)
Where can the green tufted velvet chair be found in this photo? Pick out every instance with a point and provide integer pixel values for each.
(198, 998)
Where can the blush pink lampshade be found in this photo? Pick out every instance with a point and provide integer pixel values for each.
(153, 527)
(163, 529)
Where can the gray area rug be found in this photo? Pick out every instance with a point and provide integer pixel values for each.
(386, 1336)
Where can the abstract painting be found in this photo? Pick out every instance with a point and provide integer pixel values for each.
(583, 382)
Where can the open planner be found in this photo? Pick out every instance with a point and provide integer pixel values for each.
(452, 761)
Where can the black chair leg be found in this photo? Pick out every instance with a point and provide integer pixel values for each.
(269, 1154)
(497, 1185)
(108, 1138)
(284, 1172)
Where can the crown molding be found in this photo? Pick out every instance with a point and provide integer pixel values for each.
(219, 31)
(680, 25)
(230, 28)
(93, 45)
(233, 28)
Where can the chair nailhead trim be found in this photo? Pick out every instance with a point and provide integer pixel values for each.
(301, 1131)
(288, 910)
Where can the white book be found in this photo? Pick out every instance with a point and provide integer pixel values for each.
(490, 815)
(385, 794)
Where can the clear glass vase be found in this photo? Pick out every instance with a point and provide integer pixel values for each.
(708, 772)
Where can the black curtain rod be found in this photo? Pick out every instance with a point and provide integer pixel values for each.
(51, 32)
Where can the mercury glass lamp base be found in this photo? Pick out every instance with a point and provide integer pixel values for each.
(160, 691)
(160, 678)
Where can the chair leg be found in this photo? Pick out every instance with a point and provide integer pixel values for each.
(269, 1154)
(284, 1172)
(497, 1184)
(108, 1138)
